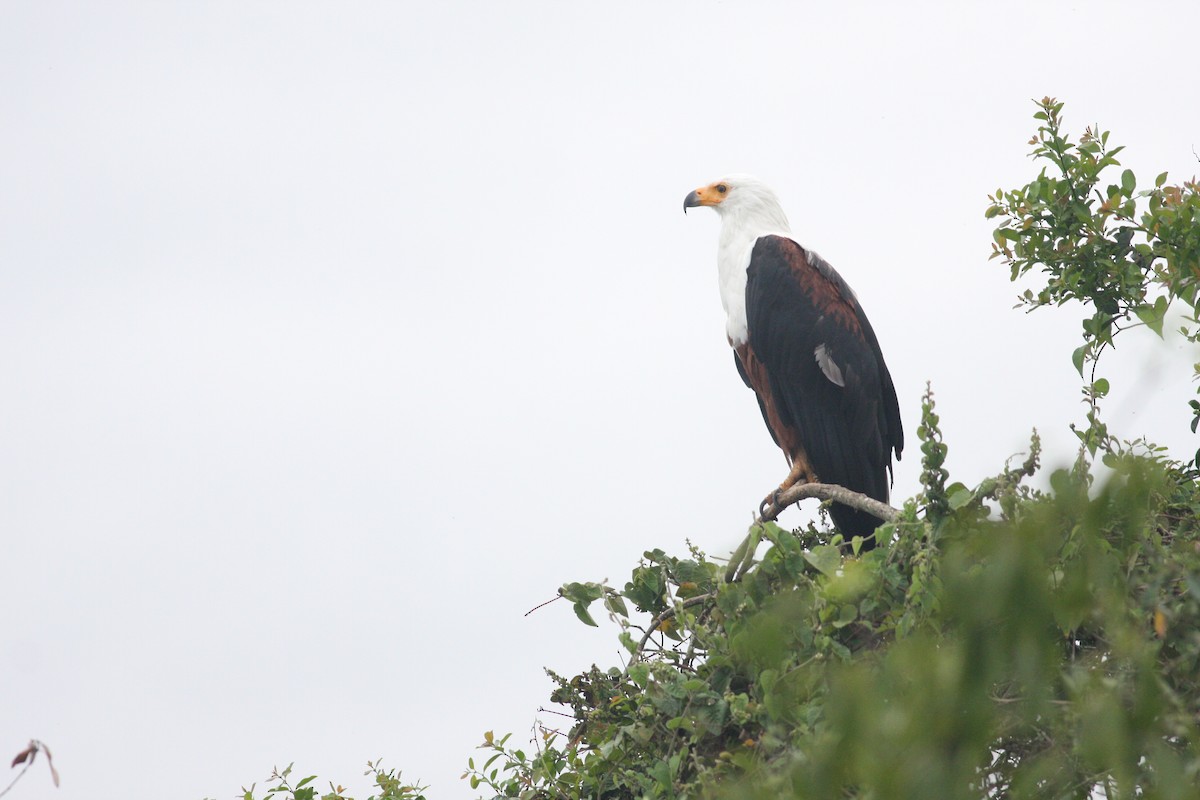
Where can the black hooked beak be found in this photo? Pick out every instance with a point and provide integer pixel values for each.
(691, 201)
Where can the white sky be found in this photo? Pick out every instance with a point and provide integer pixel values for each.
(336, 336)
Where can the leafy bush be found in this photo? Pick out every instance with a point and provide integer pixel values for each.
(1128, 255)
(391, 787)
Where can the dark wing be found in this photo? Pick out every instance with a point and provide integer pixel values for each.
(828, 378)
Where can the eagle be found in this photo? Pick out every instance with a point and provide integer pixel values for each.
(802, 342)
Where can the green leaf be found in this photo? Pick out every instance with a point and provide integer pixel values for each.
(615, 604)
(1100, 387)
(639, 673)
(1077, 358)
(826, 558)
(582, 612)
(645, 588)
(1153, 315)
(772, 531)
(959, 498)
(582, 592)
(1128, 182)
(846, 615)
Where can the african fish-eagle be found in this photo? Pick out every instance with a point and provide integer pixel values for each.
(802, 342)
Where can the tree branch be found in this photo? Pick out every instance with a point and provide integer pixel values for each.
(829, 491)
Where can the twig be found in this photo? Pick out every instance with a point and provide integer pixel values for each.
(829, 491)
(690, 656)
(27, 756)
(13, 782)
(666, 615)
(544, 710)
(542, 605)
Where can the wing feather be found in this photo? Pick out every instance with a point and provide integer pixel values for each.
(827, 374)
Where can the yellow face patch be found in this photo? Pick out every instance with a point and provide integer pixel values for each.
(710, 195)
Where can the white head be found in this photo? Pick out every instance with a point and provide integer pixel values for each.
(743, 201)
(749, 210)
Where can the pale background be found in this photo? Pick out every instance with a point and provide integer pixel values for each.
(335, 336)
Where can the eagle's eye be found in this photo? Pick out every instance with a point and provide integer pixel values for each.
(722, 188)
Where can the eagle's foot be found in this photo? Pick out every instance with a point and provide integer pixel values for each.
(769, 508)
(772, 505)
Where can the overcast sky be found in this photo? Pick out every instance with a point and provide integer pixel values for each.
(336, 336)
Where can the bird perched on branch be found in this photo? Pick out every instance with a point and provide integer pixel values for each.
(802, 342)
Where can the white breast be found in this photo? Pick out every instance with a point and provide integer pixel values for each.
(733, 258)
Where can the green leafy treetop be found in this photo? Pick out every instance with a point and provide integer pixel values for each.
(1125, 254)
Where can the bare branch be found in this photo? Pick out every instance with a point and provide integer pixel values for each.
(17, 778)
(542, 605)
(829, 491)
